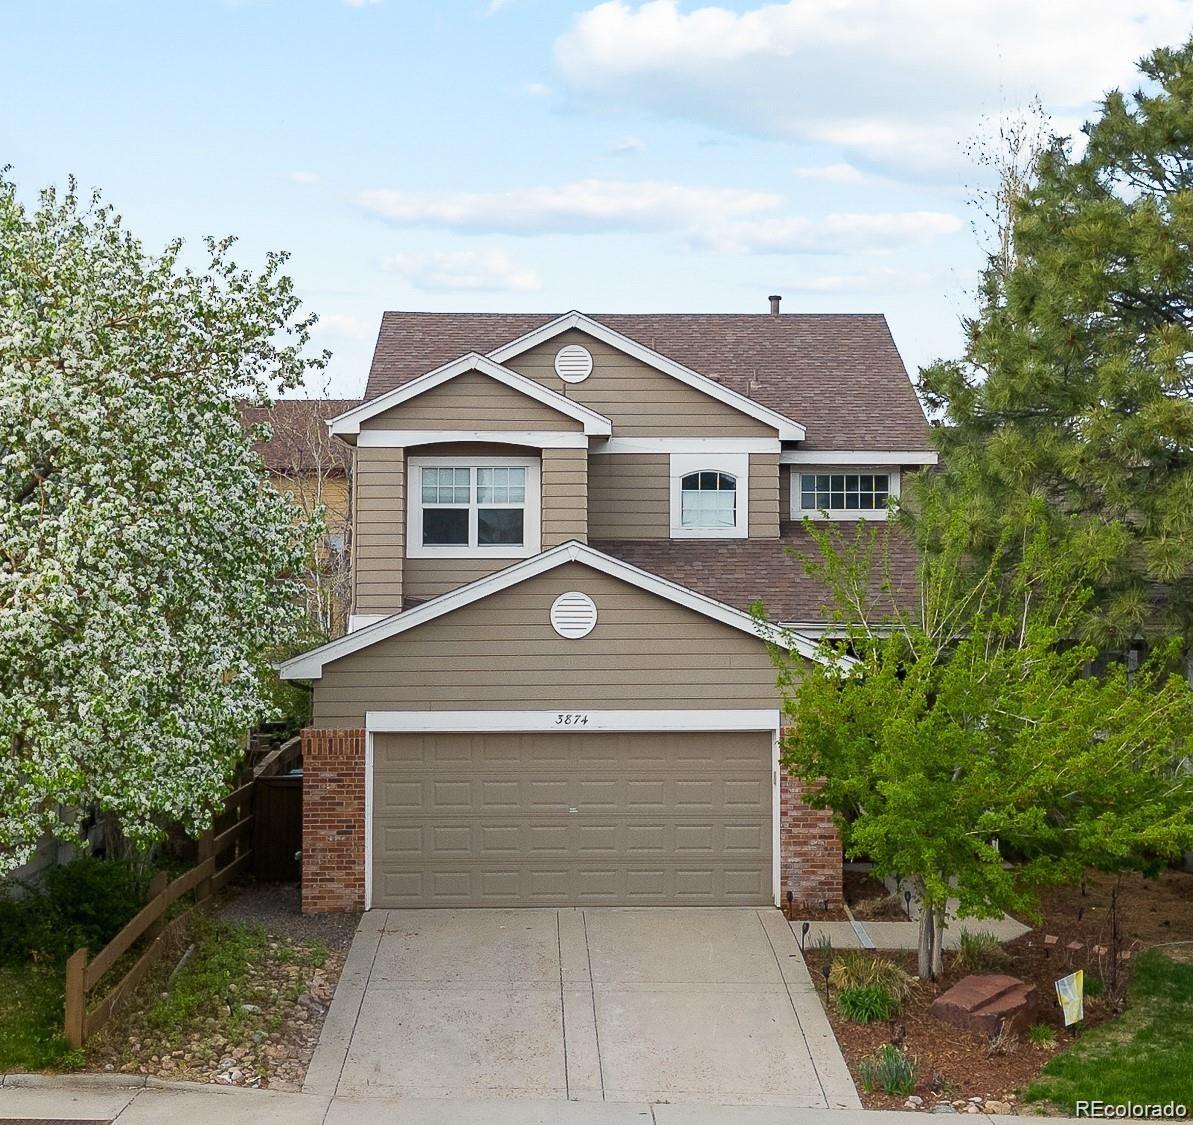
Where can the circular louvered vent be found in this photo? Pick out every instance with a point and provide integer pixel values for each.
(573, 615)
(573, 364)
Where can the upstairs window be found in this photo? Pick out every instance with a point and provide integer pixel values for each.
(835, 495)
(461, 509)
(708, 499)
(709, 495)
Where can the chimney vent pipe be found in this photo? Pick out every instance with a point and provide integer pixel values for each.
(774, 299)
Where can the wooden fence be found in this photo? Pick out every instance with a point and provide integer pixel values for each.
(225, 853)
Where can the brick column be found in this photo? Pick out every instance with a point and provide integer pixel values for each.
(810, 855)
(333, 820)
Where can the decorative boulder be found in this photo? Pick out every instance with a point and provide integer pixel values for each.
(987, 1004)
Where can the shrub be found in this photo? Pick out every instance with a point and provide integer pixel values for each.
(1041, 1035)
(26, 928)
(1092, 986)
(855, 968)
(979, 951)
(890, 1070)
(866, 1004)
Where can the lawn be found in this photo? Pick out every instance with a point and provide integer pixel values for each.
(31, 999)
(1143, 1056)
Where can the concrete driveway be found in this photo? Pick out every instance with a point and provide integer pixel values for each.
(654, 1005)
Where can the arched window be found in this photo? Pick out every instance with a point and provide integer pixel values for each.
(708, 499)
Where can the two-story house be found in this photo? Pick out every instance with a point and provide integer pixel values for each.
(552, 691)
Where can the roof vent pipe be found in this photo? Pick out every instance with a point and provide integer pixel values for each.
(774, 299)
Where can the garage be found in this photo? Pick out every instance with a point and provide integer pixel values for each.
(571, 817)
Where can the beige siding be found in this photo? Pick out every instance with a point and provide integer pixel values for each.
(786, 477)
(378, 540)
(764, 496)
(501, 653)
(472, 401)
(565, 496)
(424, 579)
(629, 496)
(640, 400)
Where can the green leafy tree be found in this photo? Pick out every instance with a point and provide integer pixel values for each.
(968, 732)
(146, 566)
(1075, 381)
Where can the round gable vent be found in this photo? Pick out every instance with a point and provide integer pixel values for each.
(573, 615)
(573, 364)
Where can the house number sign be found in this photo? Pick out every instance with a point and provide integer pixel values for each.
(571, 719)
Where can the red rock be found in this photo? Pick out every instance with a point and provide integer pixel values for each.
(986, 1004)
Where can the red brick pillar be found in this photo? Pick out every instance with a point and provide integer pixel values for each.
(333, 820)
(810, 855)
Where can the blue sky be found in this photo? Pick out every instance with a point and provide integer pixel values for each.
(542, 155)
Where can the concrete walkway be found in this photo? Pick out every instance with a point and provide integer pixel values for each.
(83, 1099)
(902, 936)
(709, 1006)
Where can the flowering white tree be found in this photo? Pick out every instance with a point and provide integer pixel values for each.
(147, 569)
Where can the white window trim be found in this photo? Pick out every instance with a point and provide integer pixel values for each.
(770, 722)
(798, 512)
(738, 466)
(531, 526)
(867, 457)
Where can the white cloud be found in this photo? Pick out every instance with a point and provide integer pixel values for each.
(734, 220)
(880, 280)
(463, 269)
(344, 327)
(831, 234)
(834, 174)
(537, 89)
(586, 206)
(303, 177)
(893, 83)
(628, 146)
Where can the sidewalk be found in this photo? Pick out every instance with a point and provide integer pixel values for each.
(98, 1098)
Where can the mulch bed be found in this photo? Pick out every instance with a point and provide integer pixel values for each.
(867, 898)
(956, 1065)
(288, 992)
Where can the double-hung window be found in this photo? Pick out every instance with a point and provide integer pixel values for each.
(463, 508)
(829, 493)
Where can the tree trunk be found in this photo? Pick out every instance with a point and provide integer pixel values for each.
(927, 942)
(938, 944)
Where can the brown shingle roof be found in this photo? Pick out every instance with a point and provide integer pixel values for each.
(839, 374)
(300, 442)
(741, 572)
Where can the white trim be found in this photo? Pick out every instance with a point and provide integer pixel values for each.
(349, 422)
(736, 465)
(842, 515)
(368, 819)
(497, 722)
(789, 430)
(532, 527)
(309, 666)
(507, 722)
(539, 439)
(361, 620)
(687, 445)
(857, 457)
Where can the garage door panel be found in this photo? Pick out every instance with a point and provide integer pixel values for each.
(555, 819)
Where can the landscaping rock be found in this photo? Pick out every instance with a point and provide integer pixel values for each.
(943, 1107)
(986, 1005)
(999, 1107)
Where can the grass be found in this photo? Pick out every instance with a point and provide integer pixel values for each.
(31, 1000)
(1143, 1056)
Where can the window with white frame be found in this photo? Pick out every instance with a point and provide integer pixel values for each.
(829, 493)
(463, 508)
(709, 495)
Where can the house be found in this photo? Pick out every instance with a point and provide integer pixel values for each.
(308, 464)
(552, 691)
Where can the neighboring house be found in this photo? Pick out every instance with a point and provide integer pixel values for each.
(305, 462)
(552, 691)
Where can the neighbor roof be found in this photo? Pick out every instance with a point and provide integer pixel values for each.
(838, 374)
(300, 442)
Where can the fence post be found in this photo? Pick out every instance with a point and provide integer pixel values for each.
(206, 843)
(76, 998)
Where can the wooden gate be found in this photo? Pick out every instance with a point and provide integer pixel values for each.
(277, 835)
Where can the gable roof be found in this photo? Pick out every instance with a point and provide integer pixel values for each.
(310, 664)
(789, 429)
(839, 374)
(593, 423)
(299, 441)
